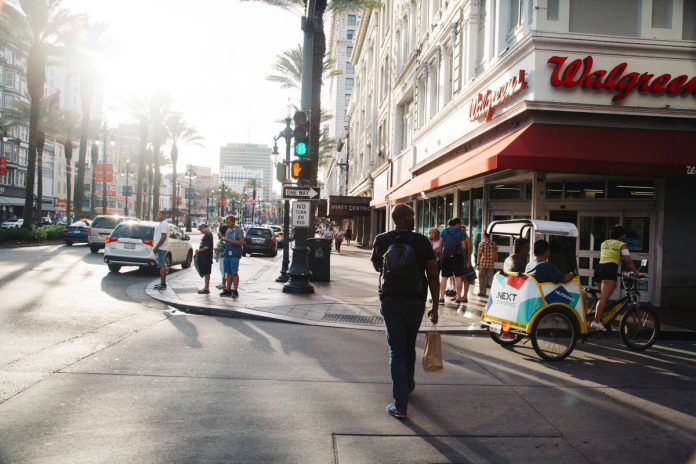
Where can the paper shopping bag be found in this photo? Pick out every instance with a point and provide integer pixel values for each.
(432, 353)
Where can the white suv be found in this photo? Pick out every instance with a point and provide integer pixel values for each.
(131, 244)
(101, 227)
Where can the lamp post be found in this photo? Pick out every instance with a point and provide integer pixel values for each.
(112, 143)
(189, 197)
(126, 190)
(287, 135)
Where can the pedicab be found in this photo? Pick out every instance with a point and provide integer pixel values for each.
(553, 315)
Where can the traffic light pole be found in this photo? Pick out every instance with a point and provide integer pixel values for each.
(299, 268)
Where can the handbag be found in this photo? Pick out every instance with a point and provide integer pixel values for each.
(432, 353)
(197, 265)
(470, 274)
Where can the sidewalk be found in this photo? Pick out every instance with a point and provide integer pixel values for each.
(349, 301)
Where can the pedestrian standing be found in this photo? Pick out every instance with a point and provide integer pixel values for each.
(404, 258)
(205, 257)
(338, 238)
(486, 256)
(234, 241)
(160, 249)
(453, 245)
(349, 235)
(220, 253)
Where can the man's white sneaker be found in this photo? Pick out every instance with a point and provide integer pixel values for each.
(597, 325)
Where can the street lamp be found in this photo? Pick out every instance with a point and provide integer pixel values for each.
(275, 156)
(126, 189)
(189, 196)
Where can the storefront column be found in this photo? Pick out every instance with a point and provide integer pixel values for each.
(357, 229)
(538, 195)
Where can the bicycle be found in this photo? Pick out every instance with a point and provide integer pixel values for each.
(638, 325)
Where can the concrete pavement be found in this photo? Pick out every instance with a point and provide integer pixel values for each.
(349, 300)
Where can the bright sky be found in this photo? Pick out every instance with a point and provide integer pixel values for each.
(212, 56)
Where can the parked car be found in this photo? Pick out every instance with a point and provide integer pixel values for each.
(101, 227)
(131, 244)
(261, 240)
(76, 232)
(279, 234)
(12, 224)
(46, 221)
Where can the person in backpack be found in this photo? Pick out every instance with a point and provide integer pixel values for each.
(404, 258)
(454, 242)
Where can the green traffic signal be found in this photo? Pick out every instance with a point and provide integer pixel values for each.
(301, 148)
(300, 133)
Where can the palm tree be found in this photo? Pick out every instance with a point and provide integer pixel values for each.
(38, 28)
(150, 111)
(89, 44)
(67, 126)
(179, 133)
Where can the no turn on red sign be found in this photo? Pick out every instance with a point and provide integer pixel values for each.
(300, 214)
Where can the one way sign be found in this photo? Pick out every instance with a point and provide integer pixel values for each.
(291, 192)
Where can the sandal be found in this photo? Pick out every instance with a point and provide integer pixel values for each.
(203, 291)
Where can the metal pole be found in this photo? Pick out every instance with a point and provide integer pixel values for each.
(127, 189)
(299, 269)
(188, 217)
(287, 135)
(104, 175)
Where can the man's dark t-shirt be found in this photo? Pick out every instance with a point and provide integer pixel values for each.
(207, 241)
(421, 246)
(543, 271)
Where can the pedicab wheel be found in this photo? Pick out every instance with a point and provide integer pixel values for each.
(639, 328)
(505, 339)
(554, 334)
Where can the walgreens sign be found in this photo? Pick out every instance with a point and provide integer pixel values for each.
(484, 104)
(579, 73)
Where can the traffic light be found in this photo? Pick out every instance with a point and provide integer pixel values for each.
(301, 169)
(301, 133)
(281, 172)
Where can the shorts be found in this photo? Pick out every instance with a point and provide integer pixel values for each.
(205, 265)
(222, 267)
(161, 255)
(452, 265)
(230, 265)
(606, 271)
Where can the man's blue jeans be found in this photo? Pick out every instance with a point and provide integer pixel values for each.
(402, 317)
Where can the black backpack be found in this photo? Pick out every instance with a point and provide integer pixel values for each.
(401, 274)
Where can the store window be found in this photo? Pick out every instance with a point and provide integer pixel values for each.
(350, 33)
(554, 191)
(637, 234)
(552, 10)
(352, 20)
(506, 191)
(584, 190)
(349, 83)
(594, 230)
(631, 189)
(594, 17)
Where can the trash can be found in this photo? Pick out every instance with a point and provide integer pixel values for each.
(320, 259)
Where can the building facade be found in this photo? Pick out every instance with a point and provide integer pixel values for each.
(549, 109)
(240, 162)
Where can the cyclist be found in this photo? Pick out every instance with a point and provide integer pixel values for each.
(612, 253)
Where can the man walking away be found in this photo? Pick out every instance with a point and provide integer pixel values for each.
(487, 253)
(401, 257)
(234, 241)
(220, 254)
(160, 249)
(205, 257)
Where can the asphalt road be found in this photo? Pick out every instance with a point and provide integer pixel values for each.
(93, 371)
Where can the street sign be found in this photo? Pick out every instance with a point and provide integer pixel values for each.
(291, 192)
(300, 214)
(190, 193)
(127, 190)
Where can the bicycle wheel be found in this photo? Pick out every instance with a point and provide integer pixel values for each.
(505, 339)
(554, 335)
(639, 327)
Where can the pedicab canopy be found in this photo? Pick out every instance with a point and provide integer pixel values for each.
(520, 228)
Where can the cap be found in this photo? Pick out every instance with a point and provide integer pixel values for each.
(202, 226)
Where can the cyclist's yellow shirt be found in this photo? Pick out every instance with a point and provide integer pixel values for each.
(610, 251)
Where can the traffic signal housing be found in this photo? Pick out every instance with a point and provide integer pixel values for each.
(301, 133)
(301, 169)
(281, 172)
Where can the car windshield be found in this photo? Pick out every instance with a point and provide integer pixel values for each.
(106, 222)
(137, 231)
(259, 232)
(79, 224)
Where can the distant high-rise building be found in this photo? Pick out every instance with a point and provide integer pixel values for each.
(240, 162)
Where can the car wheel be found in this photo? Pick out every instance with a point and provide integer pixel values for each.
(94, 249)
(168, 261)
(68, 243)
(114, 267)
(189, 257)
(275, 253)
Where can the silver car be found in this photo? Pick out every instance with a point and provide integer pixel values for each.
(131, 244)
(102, 225)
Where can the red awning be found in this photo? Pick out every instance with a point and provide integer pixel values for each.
(572, 149)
